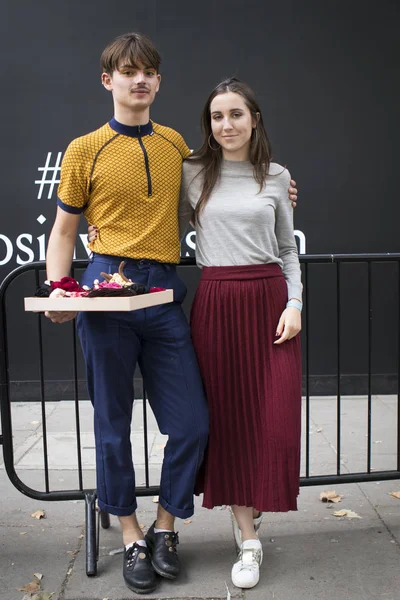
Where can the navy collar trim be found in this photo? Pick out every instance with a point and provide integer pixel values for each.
(132, 130)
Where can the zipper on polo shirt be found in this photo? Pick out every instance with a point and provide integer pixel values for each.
(146, 162)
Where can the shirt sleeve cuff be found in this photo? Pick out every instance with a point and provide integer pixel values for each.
(74, 210)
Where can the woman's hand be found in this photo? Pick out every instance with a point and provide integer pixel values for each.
(292, 191)
(289, 324)
(92, 233)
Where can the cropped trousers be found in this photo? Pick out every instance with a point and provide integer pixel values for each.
(158, 339)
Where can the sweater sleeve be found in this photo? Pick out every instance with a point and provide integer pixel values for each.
(284, 232)
(186, 211)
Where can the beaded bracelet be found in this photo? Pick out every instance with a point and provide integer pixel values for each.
(295, 304)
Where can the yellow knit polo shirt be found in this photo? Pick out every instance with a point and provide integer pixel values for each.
(126, 181)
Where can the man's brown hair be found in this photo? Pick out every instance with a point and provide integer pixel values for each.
(129, 49)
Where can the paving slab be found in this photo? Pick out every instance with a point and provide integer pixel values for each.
(337, 561)
(206, 548)
(313, 554)
(28, 415)
(29, 545)
(354, 430)
(309, 553)
(386, 506)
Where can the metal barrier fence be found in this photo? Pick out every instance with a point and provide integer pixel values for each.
(89, 495)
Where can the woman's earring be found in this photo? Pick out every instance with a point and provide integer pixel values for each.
(209, 143)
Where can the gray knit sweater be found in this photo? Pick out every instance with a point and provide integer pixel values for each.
(239, 224)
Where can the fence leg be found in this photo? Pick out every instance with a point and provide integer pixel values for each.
(104, 519)
(91, 542)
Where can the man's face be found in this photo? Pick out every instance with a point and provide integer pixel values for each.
(133, 87)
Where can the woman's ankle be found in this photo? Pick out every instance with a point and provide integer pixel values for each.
(253, 537)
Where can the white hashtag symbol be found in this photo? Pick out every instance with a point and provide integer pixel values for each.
(46, 169)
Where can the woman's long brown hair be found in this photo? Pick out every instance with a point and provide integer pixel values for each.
(211, 160)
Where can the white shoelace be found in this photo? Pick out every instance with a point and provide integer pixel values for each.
(249, 559)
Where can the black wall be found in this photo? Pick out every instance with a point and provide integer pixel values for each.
(326, 75)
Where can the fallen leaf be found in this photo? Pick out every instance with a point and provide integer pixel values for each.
(155, 499)
(330, 496)
(39, 514)
(32, 587)
(187, 521)
(35, 422)
(395, 495)
(23, 532)
(38, 576)
(346, 513)
(319, 430)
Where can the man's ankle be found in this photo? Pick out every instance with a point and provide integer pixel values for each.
(164, 520)
(132, 535)
(165, 525)
(131, 531)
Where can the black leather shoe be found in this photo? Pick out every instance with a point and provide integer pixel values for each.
(138, 572)
(164, 557)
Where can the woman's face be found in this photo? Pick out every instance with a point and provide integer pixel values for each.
(232, 125)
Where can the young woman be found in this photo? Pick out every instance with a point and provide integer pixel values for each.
(245, 318)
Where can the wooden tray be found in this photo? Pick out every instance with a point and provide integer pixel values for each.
(99, 304)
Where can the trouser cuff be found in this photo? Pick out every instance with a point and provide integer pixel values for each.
(176, 512)
(119, 511)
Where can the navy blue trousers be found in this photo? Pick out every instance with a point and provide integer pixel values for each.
(158, 339)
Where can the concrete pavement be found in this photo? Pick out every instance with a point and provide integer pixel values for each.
(309, 554)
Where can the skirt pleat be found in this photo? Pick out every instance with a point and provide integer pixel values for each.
(253, 389)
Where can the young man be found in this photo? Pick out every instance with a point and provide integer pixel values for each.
(125, 177)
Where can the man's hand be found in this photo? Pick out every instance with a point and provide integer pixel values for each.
(293, 193)
(59, 316)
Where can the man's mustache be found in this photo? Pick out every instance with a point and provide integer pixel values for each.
(140, 89)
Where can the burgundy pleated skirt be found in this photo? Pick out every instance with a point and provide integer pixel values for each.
(253, 389)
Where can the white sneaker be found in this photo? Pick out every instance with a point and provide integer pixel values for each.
(246, 570)
(236, 529)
